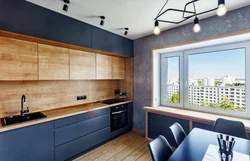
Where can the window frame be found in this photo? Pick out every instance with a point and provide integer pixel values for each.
(163, 78)
(184, 84)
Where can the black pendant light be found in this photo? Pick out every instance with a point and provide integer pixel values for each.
(187, 14)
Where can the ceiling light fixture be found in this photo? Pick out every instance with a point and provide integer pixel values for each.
(222, 10)
(102, 20)
(126, 31)
(65, 6)
(187, 14)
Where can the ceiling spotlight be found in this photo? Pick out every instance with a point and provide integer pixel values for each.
(126, 31)
(197, 27)
(102, 20)
(65, 6)
(157, 29)
(222, 10)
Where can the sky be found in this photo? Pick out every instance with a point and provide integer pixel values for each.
(211, 65)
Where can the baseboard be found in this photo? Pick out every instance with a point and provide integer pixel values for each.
(138, 132)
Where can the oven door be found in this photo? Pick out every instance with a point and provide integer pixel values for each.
(119, 119)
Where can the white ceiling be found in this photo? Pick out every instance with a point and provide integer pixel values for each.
(138, 15)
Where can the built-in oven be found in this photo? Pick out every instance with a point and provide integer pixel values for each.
(119, 117)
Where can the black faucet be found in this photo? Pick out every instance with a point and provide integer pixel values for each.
(23, 101)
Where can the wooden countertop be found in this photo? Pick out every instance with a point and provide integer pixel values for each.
(194, 115)
(61, 113)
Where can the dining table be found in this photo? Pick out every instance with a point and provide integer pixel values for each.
(195, 145)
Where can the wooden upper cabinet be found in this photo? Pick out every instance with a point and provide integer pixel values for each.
(53, 62)
(118, 68)
(82, 65)
(103, 67)
(18, 60)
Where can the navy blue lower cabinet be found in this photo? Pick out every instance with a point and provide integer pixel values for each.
(159, 125)
(81, 117)
(74, 131)
(70, 149)
(32, 143)
(202, 126)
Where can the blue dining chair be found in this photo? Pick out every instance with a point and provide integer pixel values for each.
(178, 133)
(234, 128)
(160, 149)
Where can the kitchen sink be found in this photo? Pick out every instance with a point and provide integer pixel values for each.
(18, 119)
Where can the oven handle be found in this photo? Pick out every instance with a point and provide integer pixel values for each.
(113, 113)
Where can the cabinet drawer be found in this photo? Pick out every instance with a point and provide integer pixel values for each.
(80, 117)
(74, 131)
(79, 145)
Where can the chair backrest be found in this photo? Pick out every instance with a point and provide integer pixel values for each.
(178, 133)
(160, 149)
(234, 128)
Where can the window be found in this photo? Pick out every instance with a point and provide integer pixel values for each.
(220, 70)
(172, 80)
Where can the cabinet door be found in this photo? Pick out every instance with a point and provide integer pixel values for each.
(103, 67)
(118, 66)
(82, 65)
(18, 60)
(33, 143)
(53, 62)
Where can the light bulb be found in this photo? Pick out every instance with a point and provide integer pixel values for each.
(222, 10)
(197, 28)
(157, 30)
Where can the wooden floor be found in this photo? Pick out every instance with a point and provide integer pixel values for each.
(128, 147)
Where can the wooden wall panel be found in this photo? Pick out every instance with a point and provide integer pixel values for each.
(126, 85)
(118, 68)
(103, 66)
(18, 60)
(82, 65)
(53, 62)
(44, 95)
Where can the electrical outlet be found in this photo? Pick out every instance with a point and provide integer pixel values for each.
(81, 97)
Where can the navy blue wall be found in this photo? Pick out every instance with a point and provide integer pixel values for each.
(26, 18)
(233, 21)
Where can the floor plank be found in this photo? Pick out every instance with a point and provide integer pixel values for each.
(128, 147)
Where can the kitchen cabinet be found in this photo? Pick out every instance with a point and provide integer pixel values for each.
(118, 68)
(32, 143)
(76, 134)
(18, 60)
(70, 149)
(82, 65)
(103, 66)
(74, 131)
(106, 41)
(53, 62)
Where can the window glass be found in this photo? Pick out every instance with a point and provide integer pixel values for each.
(222, 74)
